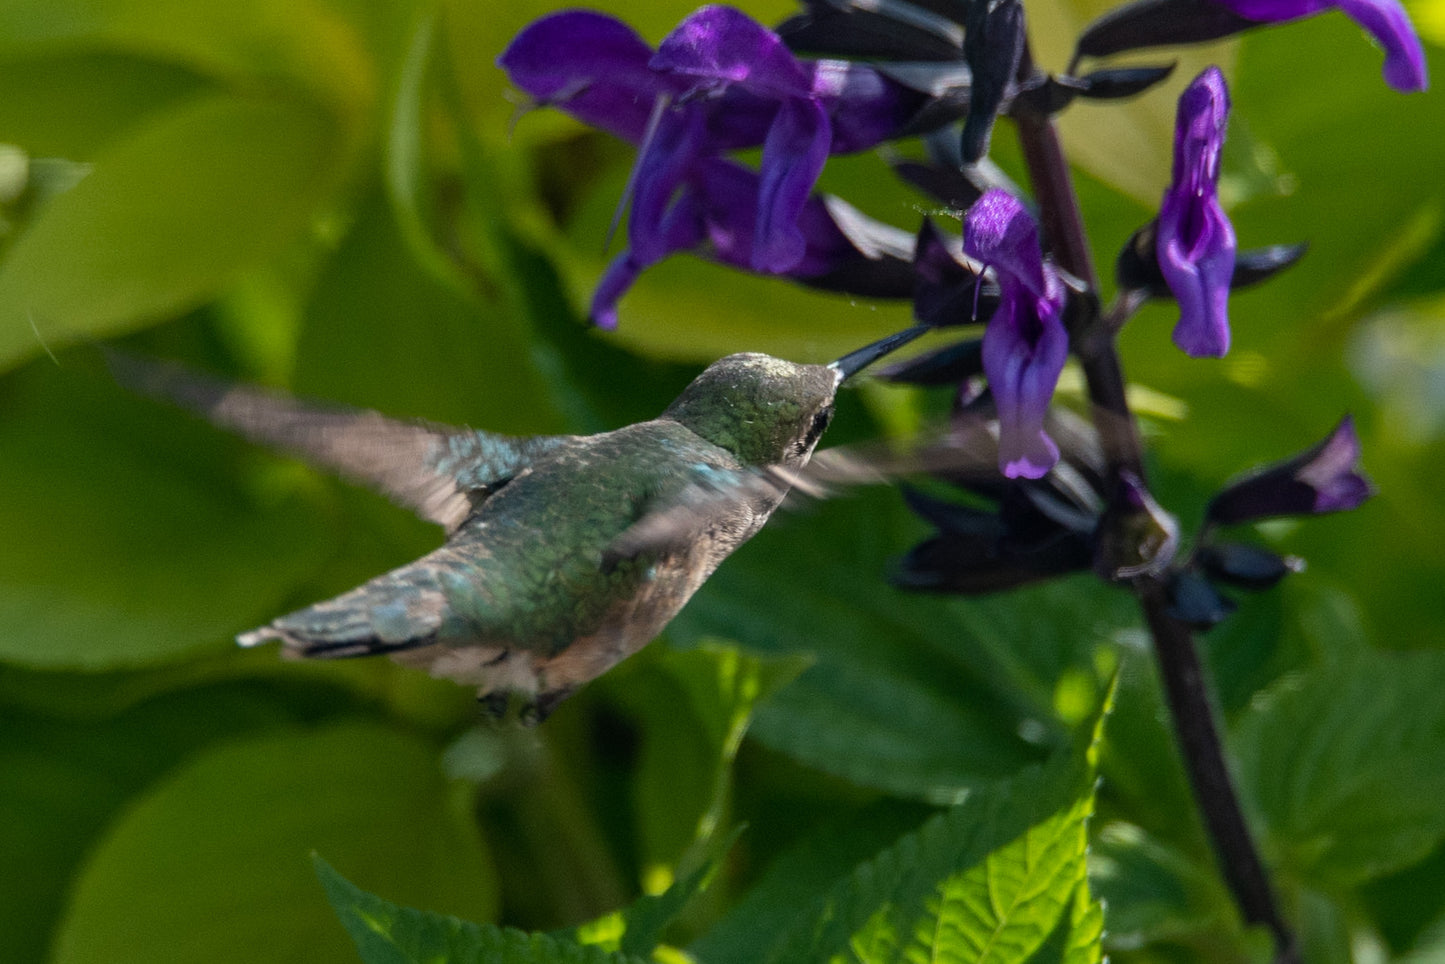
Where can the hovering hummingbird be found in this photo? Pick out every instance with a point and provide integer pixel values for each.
(564, 554)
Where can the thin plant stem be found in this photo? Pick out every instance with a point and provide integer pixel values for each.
(1092, 340)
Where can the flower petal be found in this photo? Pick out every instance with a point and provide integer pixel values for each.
(680, 230)
(866, 108)
(1332, 470)
(1022, 357)
(592, 66)
(1390, 25)
(1385, 20)
(719, 46)
(1000, 232)
(1195, 243)
(1200, 281)
(793, 157)
(665, 162)
(1324, 478)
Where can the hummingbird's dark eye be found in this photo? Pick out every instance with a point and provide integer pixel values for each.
(821, 418)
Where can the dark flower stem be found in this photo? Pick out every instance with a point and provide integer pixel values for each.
(1092, 341)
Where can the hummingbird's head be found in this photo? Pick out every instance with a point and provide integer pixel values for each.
(764, 410)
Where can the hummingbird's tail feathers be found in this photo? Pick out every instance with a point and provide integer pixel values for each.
(299, 647)
(402, 609)
(441, 473)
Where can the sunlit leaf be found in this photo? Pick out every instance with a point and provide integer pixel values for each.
(165, 218)
(389, 934)
(987, 880)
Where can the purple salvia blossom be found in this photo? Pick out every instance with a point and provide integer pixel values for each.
(591, 65)
(719, 82)
(1385, 20)
(715, 214)
(1195, 244)
(1024, 345)
(1325, 478)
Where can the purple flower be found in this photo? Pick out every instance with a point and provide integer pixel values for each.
(719, 82)
(1326, 478)
(1024, 345)
(1385, 20)
(1195, 244)
(716, 212)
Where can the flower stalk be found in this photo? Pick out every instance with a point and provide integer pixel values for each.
(1092, 340)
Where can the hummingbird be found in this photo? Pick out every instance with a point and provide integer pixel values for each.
(564, 554)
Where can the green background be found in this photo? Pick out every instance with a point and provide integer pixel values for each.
(335, 196)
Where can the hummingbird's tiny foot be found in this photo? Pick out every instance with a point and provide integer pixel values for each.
(494, 704)
(545, 704)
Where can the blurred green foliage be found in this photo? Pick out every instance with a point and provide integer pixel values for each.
(327, 195)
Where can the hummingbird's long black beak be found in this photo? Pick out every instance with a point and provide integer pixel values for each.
(855, 361)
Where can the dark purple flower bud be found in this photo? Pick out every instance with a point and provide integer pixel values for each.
(1157, 23)
(1195, 244)
(1025, 345)
(1385, 20)
(1245, 567)
(993, 42)
(948, 287)
(977, 551)
(1326, 478)
(879, 30)
(1194, 601)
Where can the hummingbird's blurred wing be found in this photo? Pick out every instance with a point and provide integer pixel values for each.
(717, 494)
(439, 472)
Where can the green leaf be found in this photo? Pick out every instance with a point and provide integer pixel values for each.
(300, 46)
(638, 929)
(803, 876)
(132, 536)
(1153, 891)
(1429, 948)
(63, 780)
(691, 709)
(166, 218)
(1085, 941)
(72, 105)
(411, 185)
(1079, 937)
(1000, 909)
(987, 880)
(383, 332)
(211, 863)
(725, 687)
(910, 694)
(389, 934)
(1346, 765)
